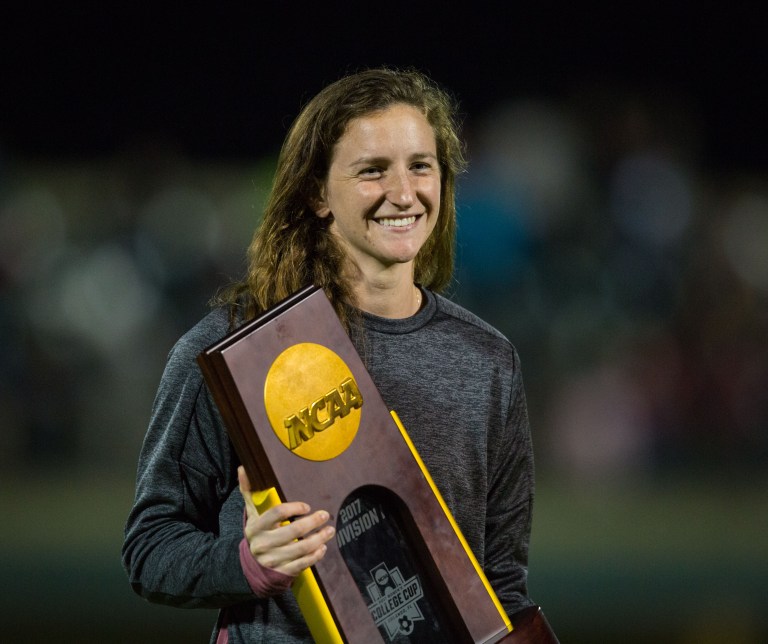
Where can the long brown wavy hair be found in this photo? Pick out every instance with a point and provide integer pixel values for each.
(293, 247)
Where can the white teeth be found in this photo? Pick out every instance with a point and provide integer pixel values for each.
(403, 221)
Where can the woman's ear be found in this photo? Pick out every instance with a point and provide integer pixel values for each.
(319, 204)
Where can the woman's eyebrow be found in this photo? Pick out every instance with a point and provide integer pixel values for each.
(378, 160)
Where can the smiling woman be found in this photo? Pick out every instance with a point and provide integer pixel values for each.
(362, 206)
(284, 258)
(382, 195)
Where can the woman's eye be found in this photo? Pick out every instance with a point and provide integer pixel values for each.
(370, 172)
(421, 166)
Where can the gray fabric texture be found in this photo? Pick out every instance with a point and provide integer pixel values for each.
(457, 386)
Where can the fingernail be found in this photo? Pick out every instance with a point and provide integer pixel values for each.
(323, 515)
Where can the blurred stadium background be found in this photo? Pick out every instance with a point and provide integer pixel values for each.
(613, 223)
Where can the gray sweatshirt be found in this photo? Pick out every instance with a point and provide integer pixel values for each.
(455, 383)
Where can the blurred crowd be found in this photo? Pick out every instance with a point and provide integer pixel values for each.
(631, 275)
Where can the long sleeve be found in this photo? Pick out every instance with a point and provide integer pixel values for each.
(510, 501)
(182, 535)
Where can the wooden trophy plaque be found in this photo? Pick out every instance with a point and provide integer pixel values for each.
(309, 425)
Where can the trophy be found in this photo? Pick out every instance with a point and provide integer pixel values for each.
(309, 425)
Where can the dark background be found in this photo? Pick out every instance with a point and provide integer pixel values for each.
(612, 224)
(220, 82)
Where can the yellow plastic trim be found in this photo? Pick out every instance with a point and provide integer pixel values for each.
(456, 528)
(305, 588)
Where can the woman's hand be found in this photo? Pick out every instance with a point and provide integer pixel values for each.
(288, 548)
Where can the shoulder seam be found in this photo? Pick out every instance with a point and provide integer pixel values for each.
(457, 312)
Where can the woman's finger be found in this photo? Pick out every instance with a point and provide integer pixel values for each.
(297, 555)
(272, 530)
(245, 490)
(287, 514)
(297, 566)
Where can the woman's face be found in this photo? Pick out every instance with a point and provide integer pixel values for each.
(383, 188)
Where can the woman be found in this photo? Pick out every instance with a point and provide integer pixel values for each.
(363, 206)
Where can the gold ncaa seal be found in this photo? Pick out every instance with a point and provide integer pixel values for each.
(312, 401)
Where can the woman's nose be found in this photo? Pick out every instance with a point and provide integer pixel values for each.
(401, 191)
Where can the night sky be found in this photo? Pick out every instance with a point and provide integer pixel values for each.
(88, 80)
